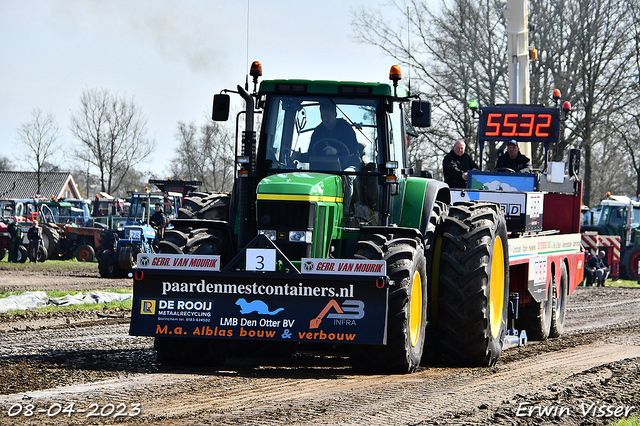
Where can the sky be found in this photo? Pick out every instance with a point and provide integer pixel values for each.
(171, 57)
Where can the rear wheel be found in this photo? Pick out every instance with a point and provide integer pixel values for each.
(406, 266)
(107, 266)
(85, 253)
(559, 308)
(473, 284)
(631, 267)
(51, 240)
(202, 205)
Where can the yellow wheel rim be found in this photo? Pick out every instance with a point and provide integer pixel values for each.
(496, 288)
(415, 308)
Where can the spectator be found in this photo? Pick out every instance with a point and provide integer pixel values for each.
(513, 159)
(35, 236)
(15, 238)
(456, 164)
(597, 270)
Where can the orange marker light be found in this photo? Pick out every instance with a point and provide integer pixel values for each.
(256, 69)
(395, 74)
(556, 94)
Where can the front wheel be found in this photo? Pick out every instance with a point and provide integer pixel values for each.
(407, 312)
(473, 285)
(85, 253)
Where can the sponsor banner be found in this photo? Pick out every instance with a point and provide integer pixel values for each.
(375, 268)
(255, 308)
(178, 261)
(530, 247)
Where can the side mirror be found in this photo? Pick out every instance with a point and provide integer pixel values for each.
(574, 162)
(421, 114)
(221, 107)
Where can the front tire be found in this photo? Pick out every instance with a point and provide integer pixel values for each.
(473, 289)
(407, 314)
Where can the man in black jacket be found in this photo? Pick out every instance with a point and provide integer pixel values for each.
(456, 164)
(513, 159)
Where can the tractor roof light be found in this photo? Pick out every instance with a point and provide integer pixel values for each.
(395, 74)
(256, 70)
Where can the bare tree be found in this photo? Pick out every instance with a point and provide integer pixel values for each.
(39, 136)
(112, 131)
(205, 154)
(456, 54)
(5, 163)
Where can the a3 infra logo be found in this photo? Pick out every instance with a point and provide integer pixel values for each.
(350, 309)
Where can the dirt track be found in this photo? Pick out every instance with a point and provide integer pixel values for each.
(86, 359)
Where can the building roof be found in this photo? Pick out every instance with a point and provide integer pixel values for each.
(22, 185)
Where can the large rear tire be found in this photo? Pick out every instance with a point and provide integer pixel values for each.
(107, 265)
(202, 205)
(407, 313)
(51, 240)
(473, 285)
(631, 266)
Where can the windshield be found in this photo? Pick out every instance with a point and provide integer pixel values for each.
(321, 133)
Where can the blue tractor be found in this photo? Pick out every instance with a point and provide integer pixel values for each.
(118, 250)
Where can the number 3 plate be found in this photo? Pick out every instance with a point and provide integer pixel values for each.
(261, 260)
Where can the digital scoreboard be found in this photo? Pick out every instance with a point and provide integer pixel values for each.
(519, 123)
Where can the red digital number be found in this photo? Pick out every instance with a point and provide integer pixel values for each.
(546, 125)
(511, 124)
(527, 125)
(496, 126)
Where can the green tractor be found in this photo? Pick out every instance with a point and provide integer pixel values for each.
(328, 219)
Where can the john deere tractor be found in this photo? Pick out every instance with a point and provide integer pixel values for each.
(329, 237)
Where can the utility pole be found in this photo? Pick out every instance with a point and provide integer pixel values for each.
(517, 15)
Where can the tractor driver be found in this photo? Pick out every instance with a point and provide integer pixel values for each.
(333, 137)
(513, 159)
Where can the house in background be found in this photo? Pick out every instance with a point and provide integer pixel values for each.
(24, 185)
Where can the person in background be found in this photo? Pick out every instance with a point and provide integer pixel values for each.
(35, 236)
(15, 238)
(513, 159)
(159, 221)
(597, 269)
(456, 164)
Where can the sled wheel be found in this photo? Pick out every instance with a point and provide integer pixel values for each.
(473, 285)
(559, 308)
(536, 318)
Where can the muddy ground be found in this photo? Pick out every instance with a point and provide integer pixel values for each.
(83, 368)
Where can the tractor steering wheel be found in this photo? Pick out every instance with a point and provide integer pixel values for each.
(504, 169)
(319, 146)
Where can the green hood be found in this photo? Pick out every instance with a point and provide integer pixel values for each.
(301, 186)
